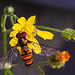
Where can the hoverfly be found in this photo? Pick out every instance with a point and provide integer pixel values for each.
(26, 55)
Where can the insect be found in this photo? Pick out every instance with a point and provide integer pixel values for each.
(26, 55)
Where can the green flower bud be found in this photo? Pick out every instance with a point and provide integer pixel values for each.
(69, 34)
(8, 65)
(9, 10)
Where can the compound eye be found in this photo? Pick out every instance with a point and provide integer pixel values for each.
(18, 35)
(21, 34)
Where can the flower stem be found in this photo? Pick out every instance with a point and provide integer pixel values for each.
(48, 28)
(5, 72)
(42, 63)
(4, 34)
(11, 19)
(8, 31)
(9, 72)
(4, 43)
(3, 21)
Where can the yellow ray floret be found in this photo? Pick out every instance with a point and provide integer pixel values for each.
(13, 33)
(13, 41)
(19, 48)
(34, 45)
(31, 20)
(22, 21)
(45, 34)
(17, 27)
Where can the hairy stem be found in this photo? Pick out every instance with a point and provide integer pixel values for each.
(3, 21)
(8, 31)
(40, 64)
(48, 28)
(11, 19)
(4, 43)
(4, 37)
(9, 72)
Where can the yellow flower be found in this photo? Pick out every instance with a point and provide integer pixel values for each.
(62, 56)
(28, 27)
(25, 25)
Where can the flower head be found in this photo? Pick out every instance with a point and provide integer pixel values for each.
(59, 59)
(62, 56)
(69, 34)
(9, 10)
(27, 29)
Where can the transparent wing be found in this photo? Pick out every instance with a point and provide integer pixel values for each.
(10, 56)
(47, 51)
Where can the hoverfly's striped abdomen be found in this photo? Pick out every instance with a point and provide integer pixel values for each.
(27, 57)
(25, 53)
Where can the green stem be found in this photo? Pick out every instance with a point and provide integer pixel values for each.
(4, 37)
(11, 15)
(9, 72)
(5, 72)
(48, 28)
(8, 31)
(4, 43)
(42, 63)
(3, 21)
(11, 19)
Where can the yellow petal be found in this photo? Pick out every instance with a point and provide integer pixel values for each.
(30, 28)
(35, 41)
(45, 34)
(22, 21)
(31, 20)
(13, 33)
(29, 37)
(19, 48)
(35, 47)
(17, 27)
(29, 49)
(13, 41)
(30, 32)
(37, 51)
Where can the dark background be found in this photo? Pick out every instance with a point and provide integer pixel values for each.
(59, 14)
